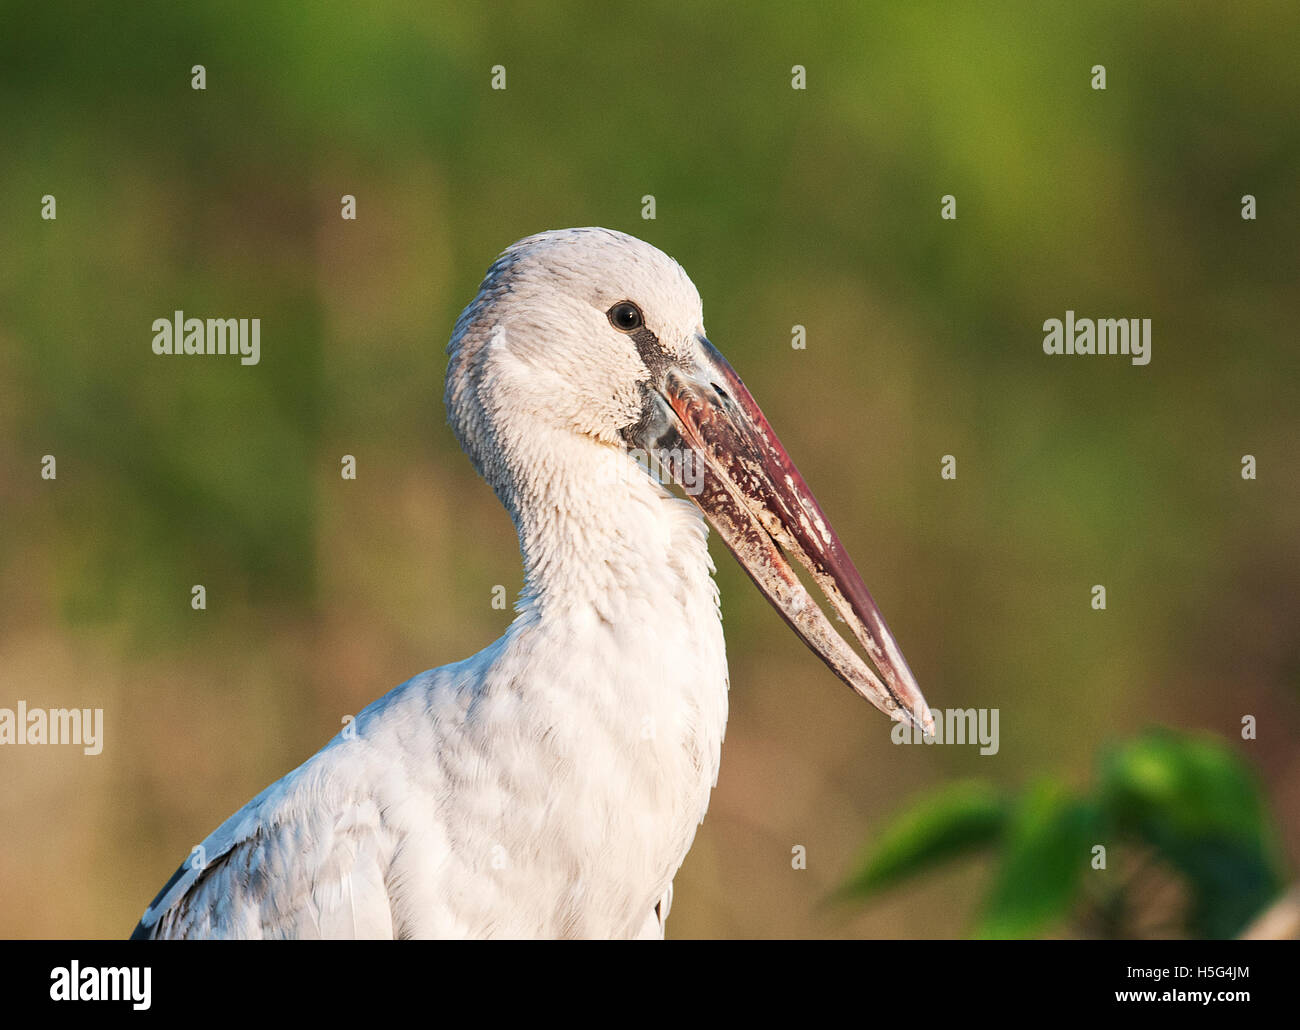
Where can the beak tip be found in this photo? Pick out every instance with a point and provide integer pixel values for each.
(919, 716)
(927, 720)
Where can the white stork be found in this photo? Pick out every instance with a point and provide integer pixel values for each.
(551, 785)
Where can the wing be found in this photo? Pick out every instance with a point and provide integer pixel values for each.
(301, 860)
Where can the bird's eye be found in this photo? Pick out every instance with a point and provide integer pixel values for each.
(625, 316)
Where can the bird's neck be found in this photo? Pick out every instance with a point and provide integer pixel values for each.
(609, 691)
(599, 537)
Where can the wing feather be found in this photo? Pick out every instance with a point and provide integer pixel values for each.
(302, 859)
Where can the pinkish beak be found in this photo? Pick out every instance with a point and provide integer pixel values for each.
(760, 505)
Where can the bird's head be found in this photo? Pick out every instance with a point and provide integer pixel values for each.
(598, 334)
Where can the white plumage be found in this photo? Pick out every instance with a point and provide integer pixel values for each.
(551, 785)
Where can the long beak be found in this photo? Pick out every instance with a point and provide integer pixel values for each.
(730, 463)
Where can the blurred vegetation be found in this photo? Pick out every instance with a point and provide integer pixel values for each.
(1176, 830)
(817, 207)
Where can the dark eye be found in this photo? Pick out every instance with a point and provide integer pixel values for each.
(625, 316)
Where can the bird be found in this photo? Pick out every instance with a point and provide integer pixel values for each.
(551, 785)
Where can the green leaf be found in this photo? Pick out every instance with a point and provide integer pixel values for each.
(1202, 809)
(1187, 785)
(1046, 850)
(957, 820)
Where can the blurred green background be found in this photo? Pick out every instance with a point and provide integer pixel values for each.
(817, 207)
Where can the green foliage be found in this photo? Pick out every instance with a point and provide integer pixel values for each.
(960, 819)
(1172, 811)
(1044, 854)
(1191, 800)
